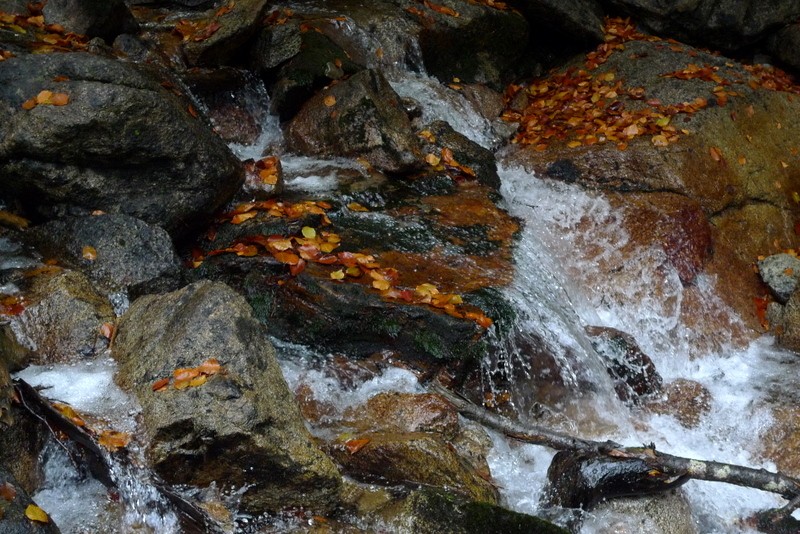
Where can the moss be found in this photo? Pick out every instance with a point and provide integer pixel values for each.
(431, 344)
(494, 305)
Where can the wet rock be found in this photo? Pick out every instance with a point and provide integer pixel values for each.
(584, 479)
(728, 25)
(308, 61)
(359, 117)
(665, 513)
(575, 25)
(12, 511)
(406, 412)
(633, 372)
(432, 511)
(126, 254)
(234, 29)
(95, 18)
(744, 195)
(686, 400)
(410, 457)
(781, 439)
(785, 322)
(21, 444)
(474, 157)
(123, 143)
(785, 45)
(781, 272)
(6, 394)
(242, 426)
(61, 320)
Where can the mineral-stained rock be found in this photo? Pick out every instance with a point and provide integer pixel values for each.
(406, 412)
(242, 427)
(359, 117)
(122, 143)
(125, 253)
(61, 320)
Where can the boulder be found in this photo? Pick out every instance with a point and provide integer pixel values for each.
(21, 446)
(359, 117)
(561, 28)
(405, 412)
(781, 272)
(241, 427)
(122, 143)
(729, 25)
(482, 166)
(784, 44)
(118, 252)
(94, 18)
(61, 320)
(784, 321)
(665, 513)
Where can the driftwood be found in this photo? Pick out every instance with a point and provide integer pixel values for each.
(193, 518)
(786, 486)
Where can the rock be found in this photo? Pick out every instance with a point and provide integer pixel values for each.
(781, 272)
(94, 18)
(781, 439)
(575, 25)
(242, 426)
(633, 372)
(236, 27)
(412, 457)
(429, 511)
(686, 400)
(785, 322)
(61, 320)
(123, 143)
(21, 444)
(406, 412)
(785, 45)
(584, 479)
(664, 513)
(308, 62)
(12, 511)
(126, 253)
(729, 25)
(477, 160)
(359, 117)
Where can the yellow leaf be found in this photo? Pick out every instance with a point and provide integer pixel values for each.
(239, 218)
(113, 440)
(337, 275)
(355, 206)
(308, 232)
(89, 253)
(34, 513)
(198, 381)
(381, 284)
(329, 100)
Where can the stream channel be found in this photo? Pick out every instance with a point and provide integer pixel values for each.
(559, 220)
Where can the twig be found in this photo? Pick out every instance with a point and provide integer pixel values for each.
(749, 477)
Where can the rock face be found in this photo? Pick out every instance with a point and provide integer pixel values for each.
(125, 253)
(122, 143)
(361, 116)
(242, 427)
(95, 18)
(729, 25)
(785, 45)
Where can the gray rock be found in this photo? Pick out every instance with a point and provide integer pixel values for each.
(727, 24)
(12, 513)
(130, 254)
(61, 321)
(665, 513)
(123, 143)
(360, 117)
(785, 45)
(236, 28)
(242, 427)
(781, 272)
(465, 152)
(784, 321)
(94, 18)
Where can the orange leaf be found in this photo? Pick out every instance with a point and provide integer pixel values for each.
(329, 100)
(29, 104)
(355, 206)
(68, 412)
(381, 284)
(297, 268)
(715, 153)
(160, 385)
(107, 330)
(191, 110)
(209, 367)
(198, 381)
(34, 513)
(44, 97)
(185, 374)
(287, 257)
(59, 99)
(113, 440)
(355, 445)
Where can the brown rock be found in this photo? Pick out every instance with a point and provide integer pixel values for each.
(686, 400)
(782, 440)
(407, 412)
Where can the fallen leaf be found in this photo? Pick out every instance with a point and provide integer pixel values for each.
(337, 275)
(329, 100)
(161, 384)
(210, 367)
(715, 153)
(89, 253)
(289, 258)
(34, 513)
(68, 412)
(107, 330)
(198, 381)
(7, 491)
(355, 445)
(113, 440)
(308, 232)
(381, 284)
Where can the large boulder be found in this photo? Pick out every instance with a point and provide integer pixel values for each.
(785, 45)
(730, 25)
(122, 143)
(359, 117)
(117, 251)
(14, 503)
(239, 426)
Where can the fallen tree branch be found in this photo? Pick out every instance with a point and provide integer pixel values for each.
(749, 477)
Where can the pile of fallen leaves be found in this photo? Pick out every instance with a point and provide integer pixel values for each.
(318, 246)
(583, 107)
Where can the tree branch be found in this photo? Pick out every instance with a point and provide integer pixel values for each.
(749, 477)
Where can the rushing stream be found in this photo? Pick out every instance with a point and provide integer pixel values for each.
(561, 224)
